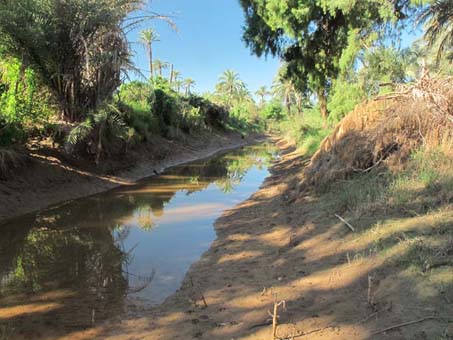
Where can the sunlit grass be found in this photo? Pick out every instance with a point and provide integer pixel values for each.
(307, 131)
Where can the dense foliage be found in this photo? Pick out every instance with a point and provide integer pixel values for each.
(317, 39)
(62, 68)
(77, 48)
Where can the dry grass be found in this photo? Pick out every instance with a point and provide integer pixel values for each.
(385, 132)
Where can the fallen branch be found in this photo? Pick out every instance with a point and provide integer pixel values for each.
(345, 222)
(404, 324)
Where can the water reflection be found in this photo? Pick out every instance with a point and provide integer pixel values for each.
(72, 266)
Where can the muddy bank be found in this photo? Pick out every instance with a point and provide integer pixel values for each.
(273, 248)
(50, 178)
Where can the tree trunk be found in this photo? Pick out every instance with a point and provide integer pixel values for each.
(299, 104)
(171, 74)
(99, 146)
(323, 104)
(151, 68)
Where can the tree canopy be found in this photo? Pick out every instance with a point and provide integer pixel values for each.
(318, 38)
(78, 48)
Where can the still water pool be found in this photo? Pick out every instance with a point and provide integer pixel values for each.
(84, 260)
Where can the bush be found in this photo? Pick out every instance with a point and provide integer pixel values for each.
(345, 97)
(213, 114)
(11, 133)
(165, 106)
(307, 131)
(273, 110)
(104, 131)
(24, 102)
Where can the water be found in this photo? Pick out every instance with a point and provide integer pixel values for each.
(85, 260)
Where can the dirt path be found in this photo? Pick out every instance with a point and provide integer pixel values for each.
(49, 178)
(273, 248)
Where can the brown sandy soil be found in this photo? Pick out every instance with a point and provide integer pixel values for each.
(50, 178)
(273, 248)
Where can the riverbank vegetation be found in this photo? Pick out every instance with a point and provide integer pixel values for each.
(350, 59)
(71, 85)
(377, 128)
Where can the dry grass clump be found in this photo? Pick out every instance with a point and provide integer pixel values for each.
(384, 132)
(10, 160)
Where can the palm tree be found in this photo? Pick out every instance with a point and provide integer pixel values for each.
(285, 90)
(147, 38)
(178, 84)
(262, 93)
(438, 18)
(172, 68)
(160, 65)
(176, 75)
(243, 95)
(189, 82)
(175, 81)
(229, 85)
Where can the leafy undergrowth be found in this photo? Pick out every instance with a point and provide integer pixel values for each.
(307, 131)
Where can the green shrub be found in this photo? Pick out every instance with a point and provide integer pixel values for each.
(164, 106)
(307, 130)
(213, 115)
(345, 97)
(24, 102)
(273, 110)
(11, 133)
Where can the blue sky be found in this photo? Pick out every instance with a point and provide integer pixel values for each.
(207, 43)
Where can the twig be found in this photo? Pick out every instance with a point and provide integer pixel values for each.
(403, 324)
(368, 317)
(204, 301)
(275, 317)
(302, 334)
(345, 222)
(370, 297)
(202, 298)
(384, 156)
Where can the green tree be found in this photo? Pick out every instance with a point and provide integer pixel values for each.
(160, 66)
(189, 83)
(229, 85)
(77, 47)
(175, 75)
(244, 96)
(148, 37)
(317, 38)
(438, 18)
(383, 67)
(284, 90)
(262, 92)
(178, 84)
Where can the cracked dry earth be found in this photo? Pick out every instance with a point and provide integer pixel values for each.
(272, 247)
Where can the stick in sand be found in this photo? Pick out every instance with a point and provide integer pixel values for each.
(345, 222)
(403, 324)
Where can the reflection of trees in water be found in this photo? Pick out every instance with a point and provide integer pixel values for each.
(86, 262)
(80, 246)
(225, 171)
(48, 259)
